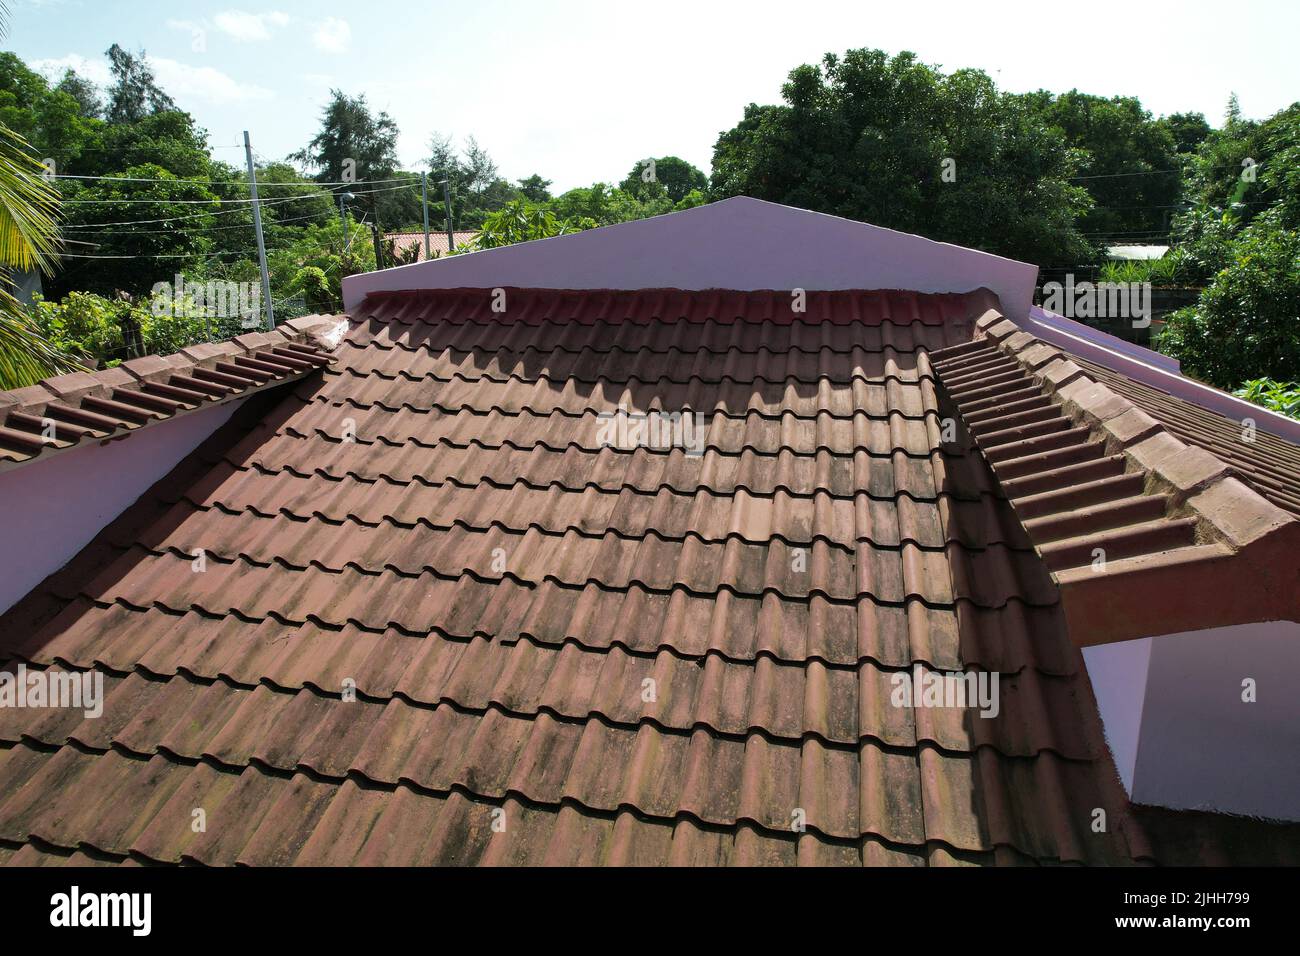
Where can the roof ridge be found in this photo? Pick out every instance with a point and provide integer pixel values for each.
(62, 411)
(1252, 541)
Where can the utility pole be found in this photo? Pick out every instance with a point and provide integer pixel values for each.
(379, 245)
(343, 221)
(424, 201)
(377, 231)
(446, 202)
(261, 244)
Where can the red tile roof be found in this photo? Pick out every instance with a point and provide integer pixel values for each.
(113, 402)
(1091, 475)
(502, 710)
(402, 242)
(1268, 463)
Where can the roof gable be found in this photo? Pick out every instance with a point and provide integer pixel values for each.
(739, 244)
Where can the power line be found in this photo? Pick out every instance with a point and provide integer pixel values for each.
(1149, 172)
(205, 229)
(170, 202)
(190, 255)
(198, 215)
(232, 182)
(162, 255)
(173, 255)
(201, 215)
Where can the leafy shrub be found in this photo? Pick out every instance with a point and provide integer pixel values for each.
(1282, 397)
(100, 331)
(1247, 322)
(1159, 272)
(519, 221)
(313, 285)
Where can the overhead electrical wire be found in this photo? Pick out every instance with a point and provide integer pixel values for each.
(218, 201)
(227, 212)
(232, 182)
(1145, 172)
(197, 215)
(180, 202)
(203, 229)
(161, 255)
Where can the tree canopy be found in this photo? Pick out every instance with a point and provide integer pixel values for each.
(352, 143)
(134, 93)
(666, 174)
(1127, 161)
(894, 142)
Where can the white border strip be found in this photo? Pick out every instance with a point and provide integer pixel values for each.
(1151, 368)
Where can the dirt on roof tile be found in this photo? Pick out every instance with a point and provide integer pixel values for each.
(1268, 463)
(1137, 515)
(420, 612)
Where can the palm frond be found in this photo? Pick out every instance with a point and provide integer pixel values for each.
(25, 356)
(29, 207)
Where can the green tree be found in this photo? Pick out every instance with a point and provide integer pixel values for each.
(134, 94)
(352, 144)
(83, 92)
(49, 120)
(675, 176)
(314, 264)
(535, 189)
(1241, 236)
(173, 221)
(477, 188)
(29, 240)
(1189, 130)
(894, 142)
(1247, 322)
(519, 221)
(356, 145)
(1239, 172)
(605, 205)
(1128, 162)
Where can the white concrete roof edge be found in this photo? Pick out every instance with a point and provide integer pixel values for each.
(738, 243)
(1156, 370)
(1074, 333)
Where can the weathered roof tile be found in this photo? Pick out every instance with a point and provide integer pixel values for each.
(432, 599)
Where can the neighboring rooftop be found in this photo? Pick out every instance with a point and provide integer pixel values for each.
(403, 242)
(1136, 252)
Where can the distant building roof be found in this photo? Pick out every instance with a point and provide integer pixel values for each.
(403, 241)
(1136, 252)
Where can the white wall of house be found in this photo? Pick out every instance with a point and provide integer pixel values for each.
(1182, 727)
(741, 243)
(52, 508)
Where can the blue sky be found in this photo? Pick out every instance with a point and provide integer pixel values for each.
(579, 91)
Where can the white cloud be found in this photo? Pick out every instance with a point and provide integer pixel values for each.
(249, 27)
(94, 70)
(332, 35)
(185, 82)
(180, 80)
(240, 26)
